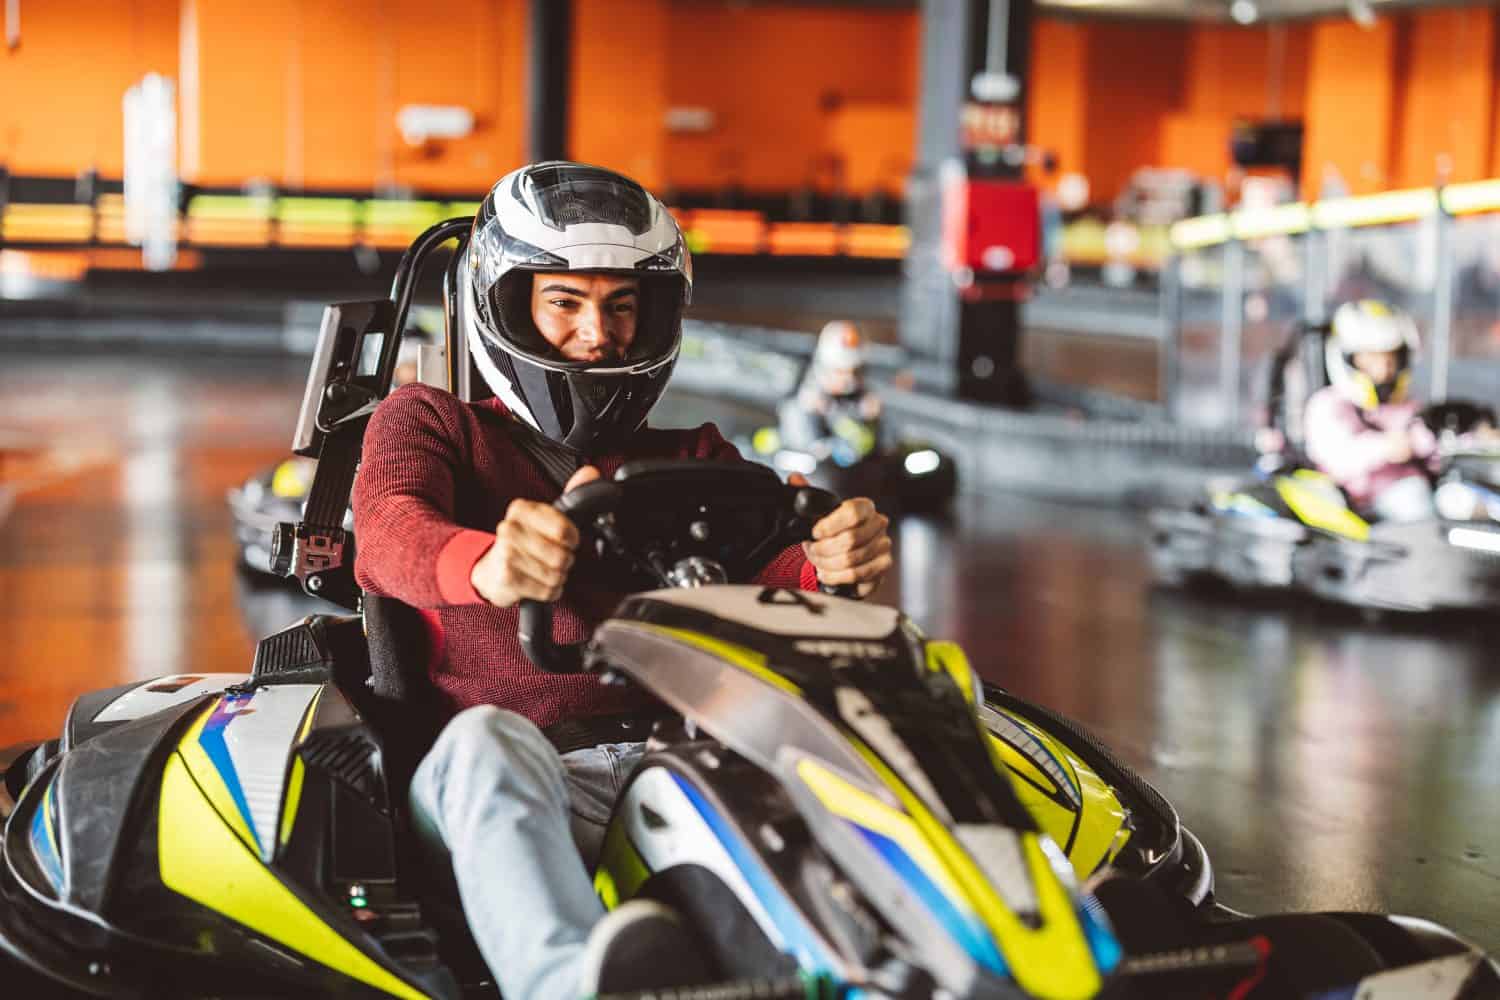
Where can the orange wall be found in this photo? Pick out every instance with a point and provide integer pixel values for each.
(61, 90)
(765, 72)
(1350, 97)
(316, 105)
(619, 87)
(1135, 71)
(1057, 98)
(1109, 97)
(305, 92)
(1447, 97)
(1231, 74)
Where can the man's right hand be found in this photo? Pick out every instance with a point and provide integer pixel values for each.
(533, 551)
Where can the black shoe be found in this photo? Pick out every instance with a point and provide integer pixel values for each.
(641, 945)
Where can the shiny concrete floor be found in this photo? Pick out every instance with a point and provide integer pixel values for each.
(1326, 762)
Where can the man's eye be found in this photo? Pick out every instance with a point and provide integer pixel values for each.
(563, 303)
(625, 307)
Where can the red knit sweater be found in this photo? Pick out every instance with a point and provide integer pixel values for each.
(436, 478)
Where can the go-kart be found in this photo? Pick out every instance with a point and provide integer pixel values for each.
(1289, 526)
(836, 803)
(1295, 529)
(843, 451)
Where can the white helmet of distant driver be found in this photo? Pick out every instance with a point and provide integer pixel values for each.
(1370, 326)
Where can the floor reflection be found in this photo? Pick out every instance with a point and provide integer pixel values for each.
(1326, 762)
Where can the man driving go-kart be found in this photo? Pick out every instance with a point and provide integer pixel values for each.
(1362, 429)
(577, 279)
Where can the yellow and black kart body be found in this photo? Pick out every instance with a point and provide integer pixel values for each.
(238, 833)
(835, 802)
(1295, 530)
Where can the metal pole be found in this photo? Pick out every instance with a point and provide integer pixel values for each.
(547, 79)
(1315, 279)
(1232, 319)
(994, 50)
(1168, 356)
(1442, 305)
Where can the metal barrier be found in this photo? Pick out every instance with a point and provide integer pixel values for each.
(1237, 283)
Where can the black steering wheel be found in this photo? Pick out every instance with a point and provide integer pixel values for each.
(679, 523)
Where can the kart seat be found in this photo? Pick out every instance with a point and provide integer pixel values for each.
(398, 698)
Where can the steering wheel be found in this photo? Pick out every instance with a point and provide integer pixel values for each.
(679, 523)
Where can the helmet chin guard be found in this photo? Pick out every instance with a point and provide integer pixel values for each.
(558, 217)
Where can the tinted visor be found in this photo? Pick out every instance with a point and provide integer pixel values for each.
(567, 194)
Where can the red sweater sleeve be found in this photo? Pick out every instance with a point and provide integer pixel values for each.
(790, 569)
(410, 547)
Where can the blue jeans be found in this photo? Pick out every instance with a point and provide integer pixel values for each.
(523, 828)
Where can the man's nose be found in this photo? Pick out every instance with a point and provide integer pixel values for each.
(590, 324)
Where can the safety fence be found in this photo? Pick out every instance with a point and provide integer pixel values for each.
(1238, 283)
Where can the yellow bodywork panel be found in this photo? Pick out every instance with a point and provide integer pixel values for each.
(298, 773)
(741, 656)
(621, 869)
(1316, 507)
(1051, 960)
(203, 860)
(293, 800)
(1023, 765)
(949, 656)
(1101, 830)
(846, 800)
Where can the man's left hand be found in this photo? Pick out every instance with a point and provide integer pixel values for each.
(851, 545)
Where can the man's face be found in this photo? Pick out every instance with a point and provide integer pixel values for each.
(586, 317)
(1381, 366)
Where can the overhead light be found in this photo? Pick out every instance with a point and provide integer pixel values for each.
(1244, 11)
(1362, 13)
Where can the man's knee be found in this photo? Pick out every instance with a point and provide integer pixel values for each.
(485, 748)
(485, 735)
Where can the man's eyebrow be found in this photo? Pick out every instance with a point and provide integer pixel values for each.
(583, 294)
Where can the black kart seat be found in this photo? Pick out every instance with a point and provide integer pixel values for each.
(399, 698)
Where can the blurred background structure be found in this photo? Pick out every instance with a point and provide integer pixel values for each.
(184, 184)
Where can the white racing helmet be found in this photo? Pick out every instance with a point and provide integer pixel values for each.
(840, 353)
(1370, 326)
(555, 217)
